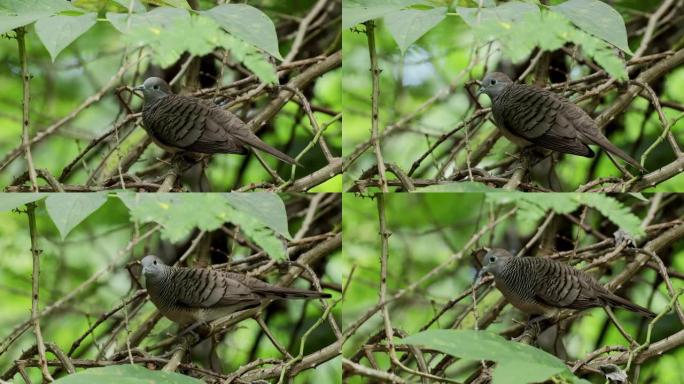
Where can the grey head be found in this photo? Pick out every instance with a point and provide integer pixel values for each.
(152, 266)
(494, 84)
(153, 89)
(495, 261)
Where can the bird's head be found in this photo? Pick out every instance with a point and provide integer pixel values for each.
(493, 84)
(154, 88)
(495, 260)
(152, 265)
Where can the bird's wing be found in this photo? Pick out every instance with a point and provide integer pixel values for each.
(207, 288)
(555, 283)
(221, 131)
(542, 118)
(175, 121)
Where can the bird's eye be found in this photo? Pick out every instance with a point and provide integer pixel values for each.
(492, 259)
(154, 262)
(492, 82)
(156, 87)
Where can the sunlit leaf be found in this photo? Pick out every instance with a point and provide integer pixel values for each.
(597, 18)
(358, 11)
(249, 24)
(126, 373)
(407, 26)
(57, 32)
(67, 210)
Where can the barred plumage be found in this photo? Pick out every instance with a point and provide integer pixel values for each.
(539, 285)
(532, 116)
(188, 295)
(182, 123)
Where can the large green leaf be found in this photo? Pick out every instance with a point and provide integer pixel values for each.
(597, 18)
(517, 363)
(408, 25)
(180, 214)
(165, 31)
(126, 374)
(136, 5)
(504, 14)
(9, 201)
(17, 13)
(249, 24)
(266, 207)
(154, 20)
(57, 32)
(67, 210)
(358, 11)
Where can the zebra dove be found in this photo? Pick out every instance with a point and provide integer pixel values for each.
(529, 116)
(200, 295)
(541, 286)
(181, 123)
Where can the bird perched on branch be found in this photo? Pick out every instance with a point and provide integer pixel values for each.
(200, 295)
(529, 116)
(182, 123)
(541, 286)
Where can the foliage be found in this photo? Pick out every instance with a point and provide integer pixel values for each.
(126, 374)
(517, 363)
(515, 24)
(164, 29)
(534, 206)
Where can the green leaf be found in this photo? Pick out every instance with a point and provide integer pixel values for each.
(137, 5)
(57, 32)
(516, 362)
(407, 26)
(615, 211)
(24, 7)
(67, 210)
(463, 186)
(154, 20)
(9, 201)
(597, 18)
(248, 24)
(358, 11)
(504, 14)
(17, 13)
(126, 374)
(180, 214)
(266, 207)
(177, 3)
(165, 31)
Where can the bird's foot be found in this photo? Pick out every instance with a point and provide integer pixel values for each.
(198, 330)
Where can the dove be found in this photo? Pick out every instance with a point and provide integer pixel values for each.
(541, 286)
(200, 295)
(188, 124)
(529, 116)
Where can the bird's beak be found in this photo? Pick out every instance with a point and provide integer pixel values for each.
(139, 88)
(480, 91)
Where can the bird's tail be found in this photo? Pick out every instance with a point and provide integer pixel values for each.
(617, 301)
(254, 141)
(290, 293)
(601, 141)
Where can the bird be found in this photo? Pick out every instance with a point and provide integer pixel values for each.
(188, 124)
(542, 286)
(200, 295)
(531, 116)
